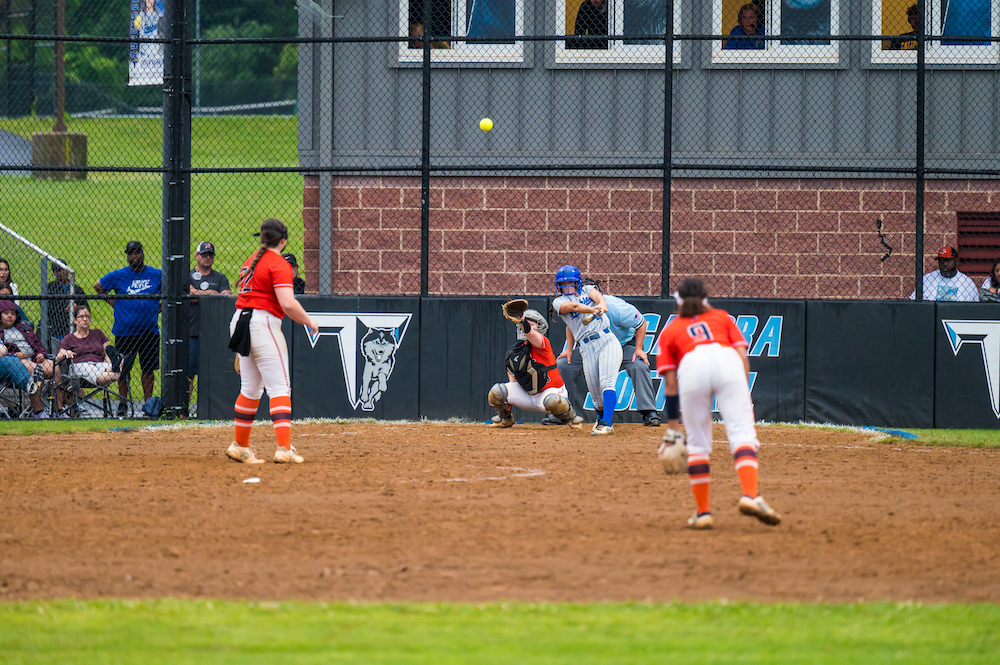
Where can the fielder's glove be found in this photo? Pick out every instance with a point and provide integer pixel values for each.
(673, 452)
(513, 310)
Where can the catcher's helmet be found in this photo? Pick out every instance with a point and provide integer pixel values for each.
(536, 316)
(568, 275)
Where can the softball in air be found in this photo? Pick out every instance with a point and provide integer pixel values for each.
(486, 124)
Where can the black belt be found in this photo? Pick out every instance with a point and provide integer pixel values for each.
(592, 336)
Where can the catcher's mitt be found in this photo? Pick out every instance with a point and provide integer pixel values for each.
(513, 310)
(673, 452)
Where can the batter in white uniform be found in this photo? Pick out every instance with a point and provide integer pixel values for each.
(601, 350)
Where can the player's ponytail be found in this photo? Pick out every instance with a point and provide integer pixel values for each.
(272, 232)
(692, 297)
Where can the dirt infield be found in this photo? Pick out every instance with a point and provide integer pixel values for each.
(467, 513)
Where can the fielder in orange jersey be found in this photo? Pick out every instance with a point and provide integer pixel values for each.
(703, 353)
(265, 297)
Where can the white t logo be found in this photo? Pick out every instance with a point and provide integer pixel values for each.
(987, 335)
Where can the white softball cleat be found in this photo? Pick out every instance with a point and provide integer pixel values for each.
(242, 454)
(758, 508)
(702, 521)
(282, 456)
(602, 428)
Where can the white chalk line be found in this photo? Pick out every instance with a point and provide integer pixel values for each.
(527, 473)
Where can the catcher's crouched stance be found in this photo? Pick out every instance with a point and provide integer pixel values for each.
(535, 383)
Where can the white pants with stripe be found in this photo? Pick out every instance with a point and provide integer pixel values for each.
(715, 369)
(602, 358)
(267, 364)
(516, 396)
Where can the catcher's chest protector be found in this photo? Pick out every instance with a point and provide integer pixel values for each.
(528, 372)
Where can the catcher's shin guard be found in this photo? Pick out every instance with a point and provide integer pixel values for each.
(498, 400)
(559, 407)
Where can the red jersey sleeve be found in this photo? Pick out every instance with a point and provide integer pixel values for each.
(736, 337)
(281, 274)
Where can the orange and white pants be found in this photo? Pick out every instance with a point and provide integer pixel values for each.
(267, 364)
(265, 367)
(713, 369)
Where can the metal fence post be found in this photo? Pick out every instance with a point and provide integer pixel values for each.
(176, 211)
(918, 248)
(425, 157)
(668, 119)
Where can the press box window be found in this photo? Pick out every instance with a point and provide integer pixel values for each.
(801, 24)
(641, 25)
(943, 18)
(456, 24)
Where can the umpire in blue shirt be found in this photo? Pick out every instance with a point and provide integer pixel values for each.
(629, 326)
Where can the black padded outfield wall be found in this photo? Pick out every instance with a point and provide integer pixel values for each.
(870, 363)
(775, 330)
(886, 364)
(967, 366)
(364, 362)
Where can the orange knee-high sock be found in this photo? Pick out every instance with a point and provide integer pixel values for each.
(245, 410)
(698, 470)
(281, 418)
(745, 460)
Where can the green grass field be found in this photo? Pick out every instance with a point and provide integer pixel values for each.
(88, 222)
(172, 631)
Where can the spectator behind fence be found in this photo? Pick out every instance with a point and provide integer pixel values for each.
(417, 38)
(908, 40)
(59, 309)
(136, 328)
(6, 277)
(204, 282)
(946, 283)
(591, 19)
(748, 24)
(990, 291)
(94, 359)
(6, 290)
(298, 284)
(20, 342)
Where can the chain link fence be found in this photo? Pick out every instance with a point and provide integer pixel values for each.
(471, 148)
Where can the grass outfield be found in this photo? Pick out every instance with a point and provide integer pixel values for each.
(171, 631)
(88, 222)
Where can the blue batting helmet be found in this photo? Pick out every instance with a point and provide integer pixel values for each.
(566, 274)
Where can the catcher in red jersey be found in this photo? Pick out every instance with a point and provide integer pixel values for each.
(704, 354)
(534, 383)
(265, 297)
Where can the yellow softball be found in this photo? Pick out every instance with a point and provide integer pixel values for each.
(486, 124)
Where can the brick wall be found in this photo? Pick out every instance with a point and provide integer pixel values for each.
(781, 238)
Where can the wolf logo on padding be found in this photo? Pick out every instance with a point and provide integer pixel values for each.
(378, 347)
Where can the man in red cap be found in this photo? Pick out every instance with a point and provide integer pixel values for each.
(946, 283)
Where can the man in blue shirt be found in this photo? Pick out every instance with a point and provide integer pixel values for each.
(629, 326)
(136, 327)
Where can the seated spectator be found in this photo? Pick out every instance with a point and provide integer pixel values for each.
(94, 359)
(5, 275)
(749, 24)
(990, 291)
(20, 342)
(417, 35)
(298, 284)
(14, 373)
(908, 40)
(6, 290)
(946, 283)
(59, 309)
(591, 19)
